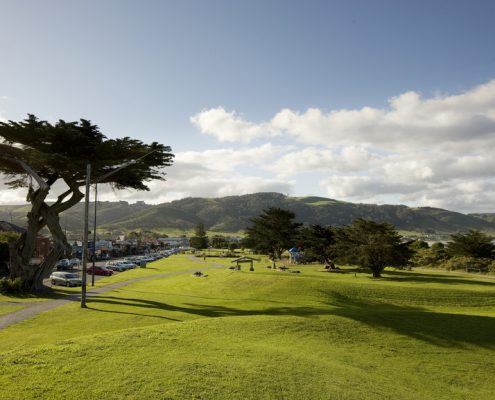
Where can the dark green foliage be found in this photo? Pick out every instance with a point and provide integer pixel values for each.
(419, 244)
(4, 258)
(6, 238)
(371, 245)
(11, 285)
(272, 232)
(316, 242)
(199, 240)
(465, 263)
(219, 242)
(431, 257)
(61, 151)
(471, 244)
(438, 252)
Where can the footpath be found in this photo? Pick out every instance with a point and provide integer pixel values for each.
(32, 309)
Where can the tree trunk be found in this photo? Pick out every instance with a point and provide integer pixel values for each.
(22, 252)
(377, 273)
(41, 215)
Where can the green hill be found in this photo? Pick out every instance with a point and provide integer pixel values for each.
(233, 213)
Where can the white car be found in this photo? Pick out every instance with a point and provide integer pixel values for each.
(127, 264)
(114, 266)
(65, 279)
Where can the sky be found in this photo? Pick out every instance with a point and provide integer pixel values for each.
(385, 102)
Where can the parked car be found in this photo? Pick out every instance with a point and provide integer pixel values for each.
(99, 271)
(65, 279)
(74, 262)
(140, 261)
(127, 264)
(63, 265)
(115, 266)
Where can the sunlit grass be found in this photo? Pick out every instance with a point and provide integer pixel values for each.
(261, 334)
(8, 308)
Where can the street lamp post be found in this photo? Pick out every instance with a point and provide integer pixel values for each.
(94, 239)
(86, 218)
(85, 237)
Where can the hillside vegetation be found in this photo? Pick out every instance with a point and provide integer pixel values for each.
(233, 213)
(261, 335)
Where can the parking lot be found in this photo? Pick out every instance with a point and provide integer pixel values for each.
(77, 270)
(65, 268)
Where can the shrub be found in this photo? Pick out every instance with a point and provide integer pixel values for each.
(465, 263)
(11, 286)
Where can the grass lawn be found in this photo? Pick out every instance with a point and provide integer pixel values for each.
(261, 335)
(8, 308)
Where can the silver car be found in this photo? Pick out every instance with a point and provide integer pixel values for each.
(65, 279)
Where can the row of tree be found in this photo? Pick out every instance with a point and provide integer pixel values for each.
(366, 243)
(470, 250)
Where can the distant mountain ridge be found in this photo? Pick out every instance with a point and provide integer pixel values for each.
(233, 214)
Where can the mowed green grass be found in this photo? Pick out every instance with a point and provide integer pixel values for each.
(261, 335)
(9, 308)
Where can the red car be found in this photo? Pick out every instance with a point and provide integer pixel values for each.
(100, 271)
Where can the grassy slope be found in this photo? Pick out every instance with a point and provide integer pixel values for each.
(7, 309)
(261, 335)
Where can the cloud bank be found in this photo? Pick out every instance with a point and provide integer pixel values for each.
(408, 121)
(419, 151)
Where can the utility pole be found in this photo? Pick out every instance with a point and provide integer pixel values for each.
(94, 239)
(86, 218)
(85, 237)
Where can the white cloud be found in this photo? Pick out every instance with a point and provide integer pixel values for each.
(229, 127)
(409, 121)
(359, 188)
(347, 159)
(11, 196)
(424, 151)
(227, 159)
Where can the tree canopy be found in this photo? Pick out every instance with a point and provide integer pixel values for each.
(371, 245)
(316, 242)
(36, 155)
(199, 240)
(272, 232)
(471, 244)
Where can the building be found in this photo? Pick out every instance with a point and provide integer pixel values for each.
(174, 241)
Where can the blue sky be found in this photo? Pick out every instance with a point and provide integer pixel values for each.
(364, 101)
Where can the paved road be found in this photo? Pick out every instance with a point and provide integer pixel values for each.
(33, 309)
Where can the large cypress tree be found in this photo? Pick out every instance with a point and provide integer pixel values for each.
(372, 245)
(41, 157)
(272, 232)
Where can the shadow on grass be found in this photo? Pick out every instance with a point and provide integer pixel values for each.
(183, 295)
(402, 276)
(203, 310)
(127, 302)
(47, 293)
(440, 329)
